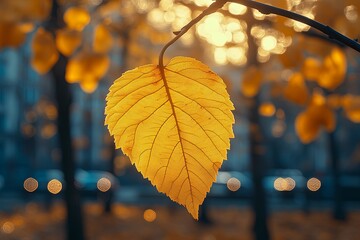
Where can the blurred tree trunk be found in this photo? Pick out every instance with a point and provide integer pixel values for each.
(257, 166)
(338, 207)
(74, 219)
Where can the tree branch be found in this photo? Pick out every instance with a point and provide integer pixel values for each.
(265, 9)
(330, 32)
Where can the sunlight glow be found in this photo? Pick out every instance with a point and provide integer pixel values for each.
(220, 56)
(268, 43)
(351, 13)
(237, 9)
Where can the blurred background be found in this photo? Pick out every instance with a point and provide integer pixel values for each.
(293, 167)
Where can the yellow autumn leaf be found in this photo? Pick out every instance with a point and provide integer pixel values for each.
(103, 41)
(330, 73)
(296, 90)
(317, 115)
(44, 52)
(351, 106)
(175, 129)
(87, 68)
(68, 40)
(76, 18)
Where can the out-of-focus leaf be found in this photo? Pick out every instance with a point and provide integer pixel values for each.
(330, 73)
(76, 18)
(311, 68)
(11, 35)
(175, 129)
(87, 68)
(317, 115)
(351, 105)
(24, 10)
(296, 90)
(44, 52)
(251, 81)
(103, 41)
(68, 40)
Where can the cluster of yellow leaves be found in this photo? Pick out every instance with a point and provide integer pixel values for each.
(175, 129)
(17, 18)
(87, 68)
(329, 73)
(317, 115)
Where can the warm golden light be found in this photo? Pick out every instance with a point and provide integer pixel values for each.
(54, 186)
(149, 215)
(237, 9)
(268, 43)
(220, 56)
(351, 13)
(313, 184)
(104, 184)
(31, 184)
(233, 184)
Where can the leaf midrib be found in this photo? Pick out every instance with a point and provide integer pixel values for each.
(167, 89)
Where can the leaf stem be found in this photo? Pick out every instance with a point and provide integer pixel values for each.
(211, 9)
(265, 9)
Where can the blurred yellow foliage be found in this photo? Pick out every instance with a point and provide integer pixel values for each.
(76, 18)
(45, 54)
(296, 90)
(24, 10)
(251, 81)
(330, 73)
(87, 68)
(68, 40)
(317, 115)
(351, 105)
(103, 41)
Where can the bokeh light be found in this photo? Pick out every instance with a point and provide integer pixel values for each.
(54, 186)
(8, 227)
(149, 215)
(284, 184)
(104, 184)
(313, 184)
(31, 184)
(233, 184)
